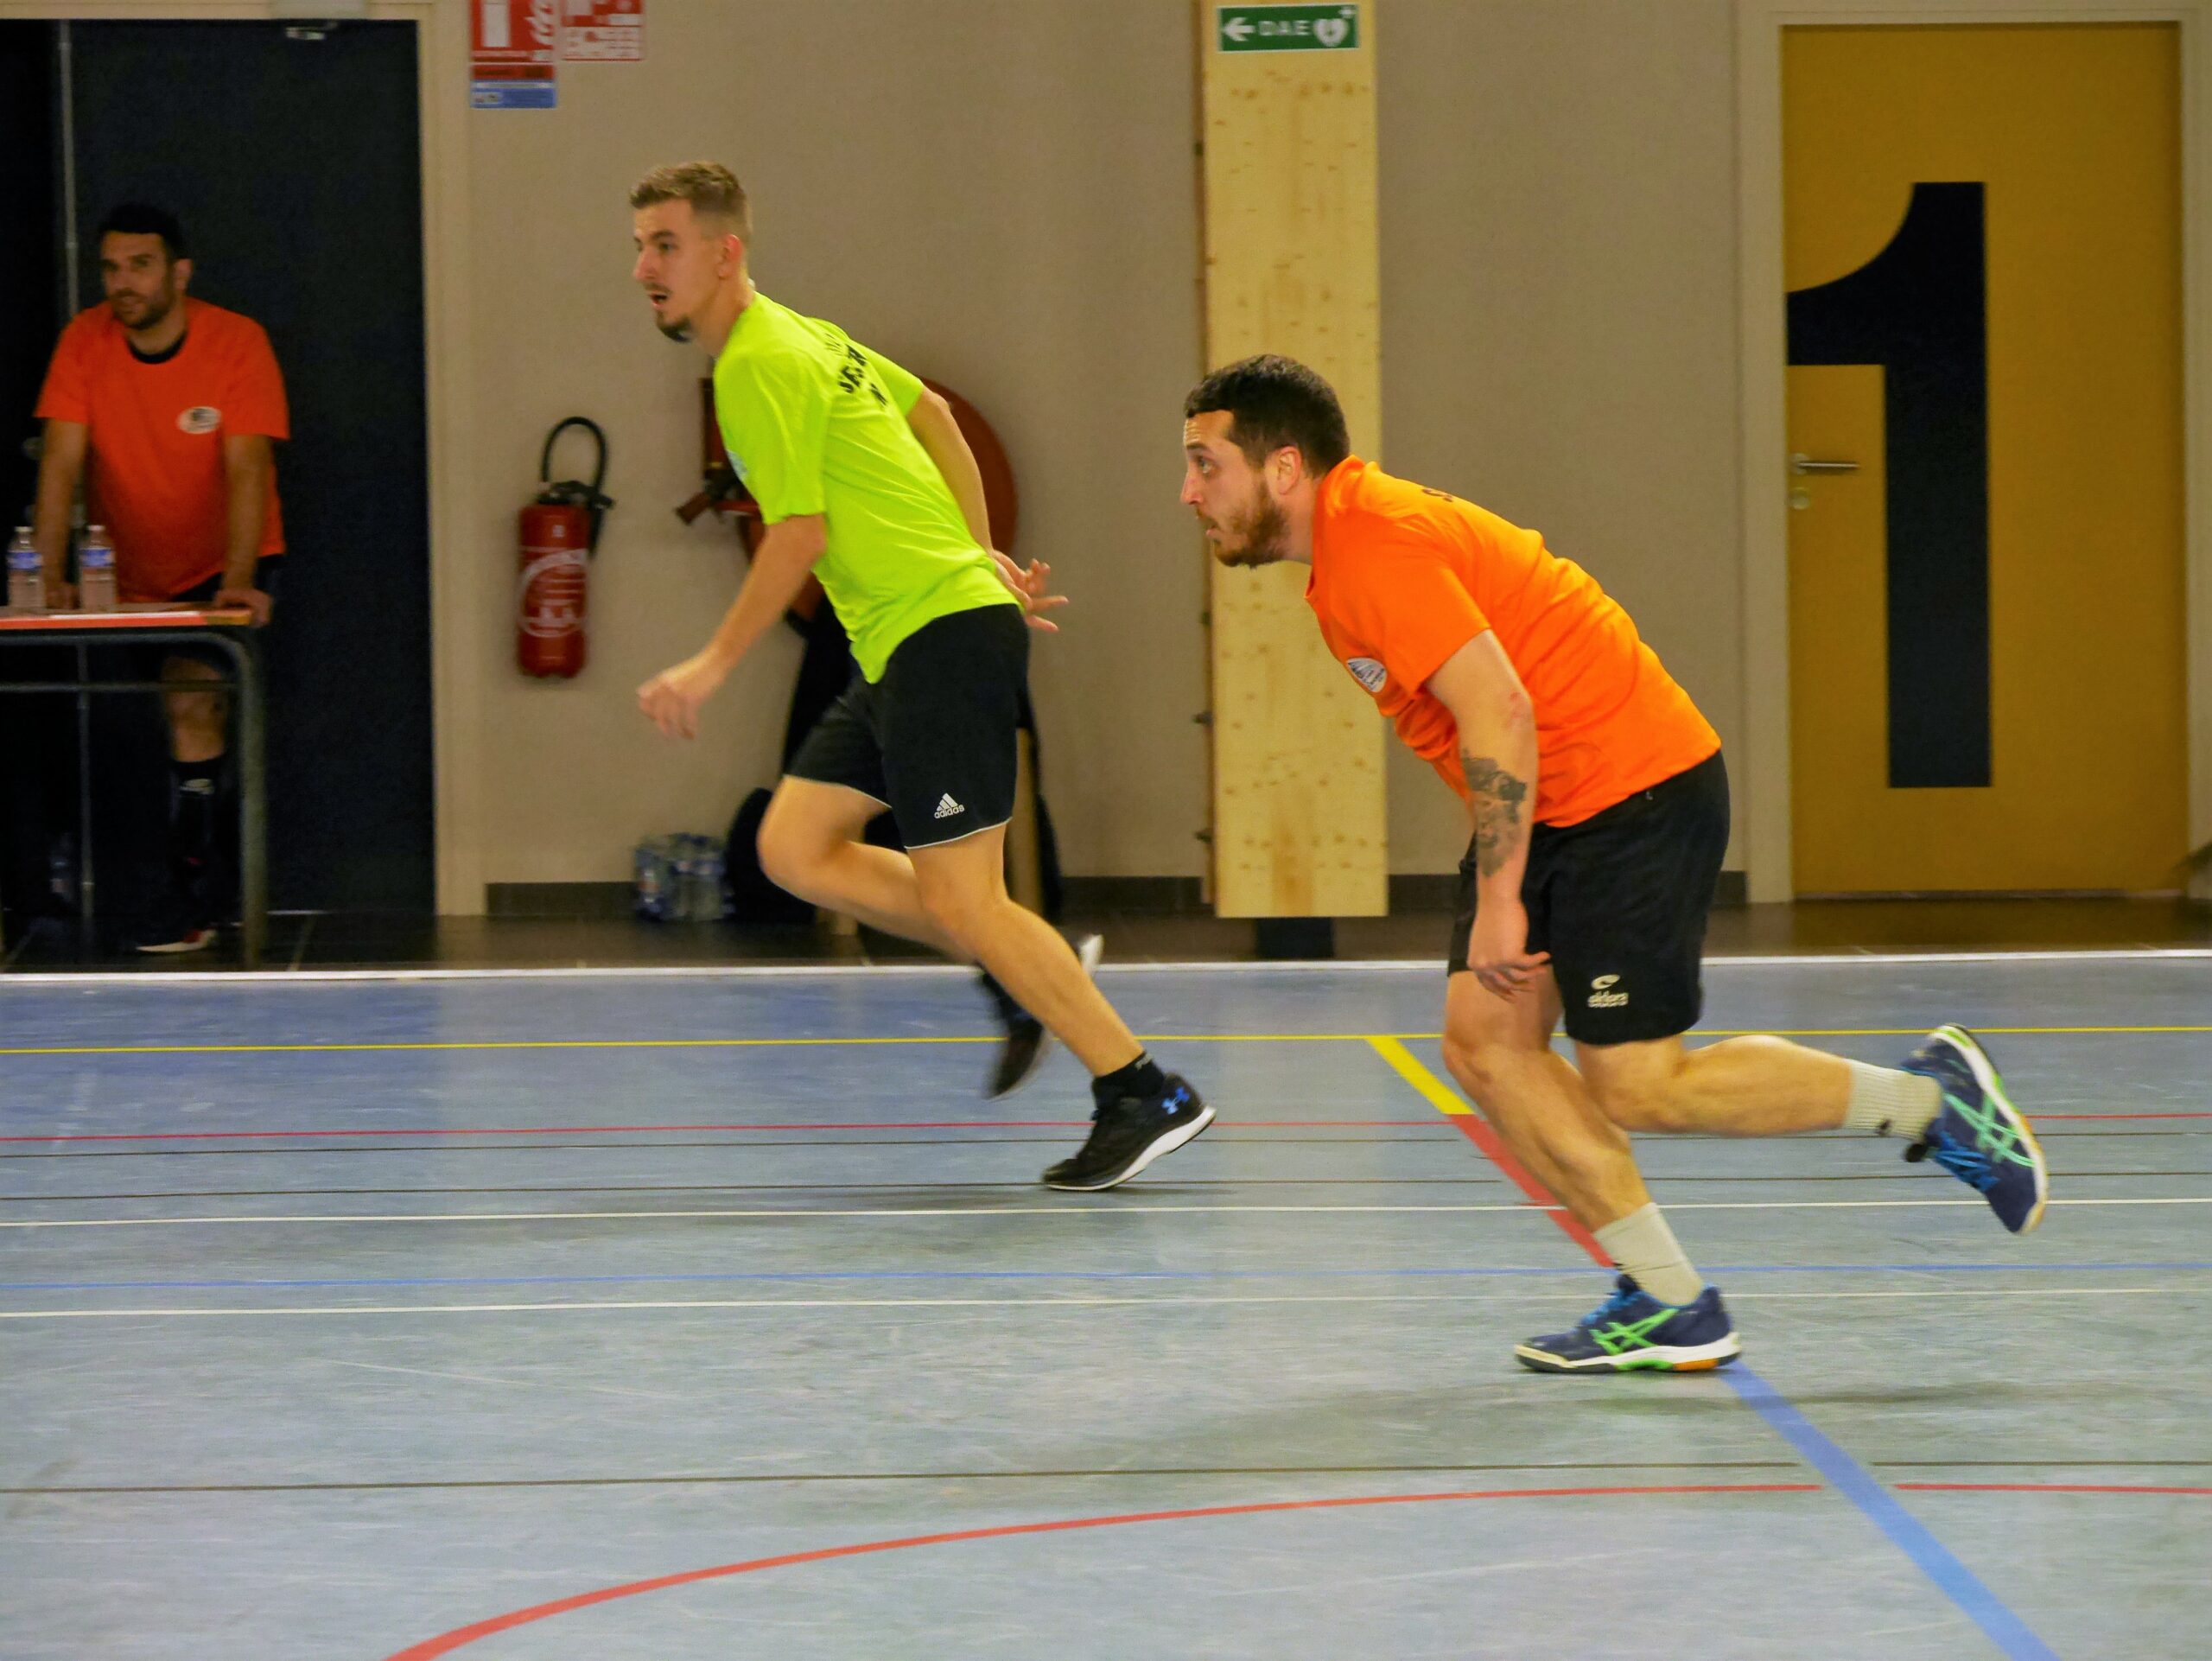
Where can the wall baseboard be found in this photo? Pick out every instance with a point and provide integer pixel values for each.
(568, 900)
(1149, 895)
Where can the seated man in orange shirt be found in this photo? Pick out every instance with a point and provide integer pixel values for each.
(165, 407)
(1599, 810)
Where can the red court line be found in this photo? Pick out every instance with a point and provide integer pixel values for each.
(658, 1129)
(2044, 1487)
(1476, 1129)
(449, 1642)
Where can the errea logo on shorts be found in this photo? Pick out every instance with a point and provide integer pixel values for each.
(1602, 996)
(201, 418)
(1368, 672)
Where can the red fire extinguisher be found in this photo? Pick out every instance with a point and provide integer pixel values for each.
(559, 534)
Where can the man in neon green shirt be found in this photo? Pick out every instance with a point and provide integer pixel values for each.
(863, 478)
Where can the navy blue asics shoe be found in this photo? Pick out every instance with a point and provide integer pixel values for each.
(1979, 1136)
(1633, 1331)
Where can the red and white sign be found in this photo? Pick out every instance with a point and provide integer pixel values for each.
(510, 63)
(603, 31)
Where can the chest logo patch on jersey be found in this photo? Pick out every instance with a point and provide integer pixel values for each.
(201, 418)
(1368, 672)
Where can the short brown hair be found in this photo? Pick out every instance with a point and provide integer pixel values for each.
(710, 188)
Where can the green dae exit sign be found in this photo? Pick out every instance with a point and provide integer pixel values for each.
(1286, 28)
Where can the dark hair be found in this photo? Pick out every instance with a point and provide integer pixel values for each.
(142, 219)
(1276, 403)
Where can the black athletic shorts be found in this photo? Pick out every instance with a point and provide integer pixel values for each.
(1620, 901)
(934, 741)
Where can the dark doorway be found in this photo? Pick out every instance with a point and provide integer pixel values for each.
(293, 163)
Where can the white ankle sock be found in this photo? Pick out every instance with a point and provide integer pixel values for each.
(1645, 1248)
(1885, 1101)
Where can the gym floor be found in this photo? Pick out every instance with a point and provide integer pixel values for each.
(710, 1314)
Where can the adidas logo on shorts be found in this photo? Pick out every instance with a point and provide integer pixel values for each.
(947, 808)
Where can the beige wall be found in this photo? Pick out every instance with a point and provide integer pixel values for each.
(1559, 312)
(998, 195)
(1001, 195)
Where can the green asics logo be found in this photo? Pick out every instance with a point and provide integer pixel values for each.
(1994, 1134)
(1630, 1334)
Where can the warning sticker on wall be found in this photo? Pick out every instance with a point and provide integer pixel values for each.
(510, 60)
(603, 31)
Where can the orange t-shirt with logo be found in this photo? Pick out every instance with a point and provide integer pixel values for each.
(154, 436)
(1403, 577)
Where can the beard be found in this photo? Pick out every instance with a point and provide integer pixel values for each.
(154, 310)
(675, 329)
(1265, 530)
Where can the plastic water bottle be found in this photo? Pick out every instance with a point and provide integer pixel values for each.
(25, 573)
(96, 571)
(654, 879)
(682, 879)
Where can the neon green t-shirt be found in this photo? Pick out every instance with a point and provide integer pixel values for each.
(815, 423)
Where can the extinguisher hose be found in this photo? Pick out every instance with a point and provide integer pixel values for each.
(574, 493)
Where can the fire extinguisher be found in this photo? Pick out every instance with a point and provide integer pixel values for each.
(559, 534)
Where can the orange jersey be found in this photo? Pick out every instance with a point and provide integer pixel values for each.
(154, 434)
(1403, 577)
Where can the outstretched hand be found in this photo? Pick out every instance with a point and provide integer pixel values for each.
(671, 698)
(1029, 584)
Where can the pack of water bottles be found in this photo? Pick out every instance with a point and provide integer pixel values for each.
(681, 878)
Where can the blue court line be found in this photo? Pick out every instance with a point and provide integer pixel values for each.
(828, 1274)
(1934, 1559)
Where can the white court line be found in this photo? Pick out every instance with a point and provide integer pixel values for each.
(1017, 1211)
(1029, 1303)
(785, 971)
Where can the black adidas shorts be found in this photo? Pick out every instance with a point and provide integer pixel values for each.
(934, 741)
(1620, 901)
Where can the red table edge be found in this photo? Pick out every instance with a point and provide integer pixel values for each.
(156, 617)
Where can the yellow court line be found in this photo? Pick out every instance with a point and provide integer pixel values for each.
(640, 1044)
(1431, 1087)
(1152, 1038)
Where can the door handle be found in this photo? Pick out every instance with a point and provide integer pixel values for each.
(1802, 463)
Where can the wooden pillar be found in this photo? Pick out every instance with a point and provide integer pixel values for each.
(1288, 187)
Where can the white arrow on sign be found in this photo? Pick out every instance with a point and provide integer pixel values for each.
(1236, 28)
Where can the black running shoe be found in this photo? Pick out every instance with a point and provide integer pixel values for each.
(1129, 1133)
(1027, 1043)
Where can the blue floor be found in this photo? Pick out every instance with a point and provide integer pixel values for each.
(400, 1318)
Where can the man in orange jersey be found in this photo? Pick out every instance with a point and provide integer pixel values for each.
(165, 409)
(1599, 810)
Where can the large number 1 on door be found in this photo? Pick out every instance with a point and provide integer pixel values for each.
(1986, 601)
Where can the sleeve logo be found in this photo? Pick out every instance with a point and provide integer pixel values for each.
(201, 418)
(1368, 672)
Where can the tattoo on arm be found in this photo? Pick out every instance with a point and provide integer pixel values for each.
(1497, 798)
